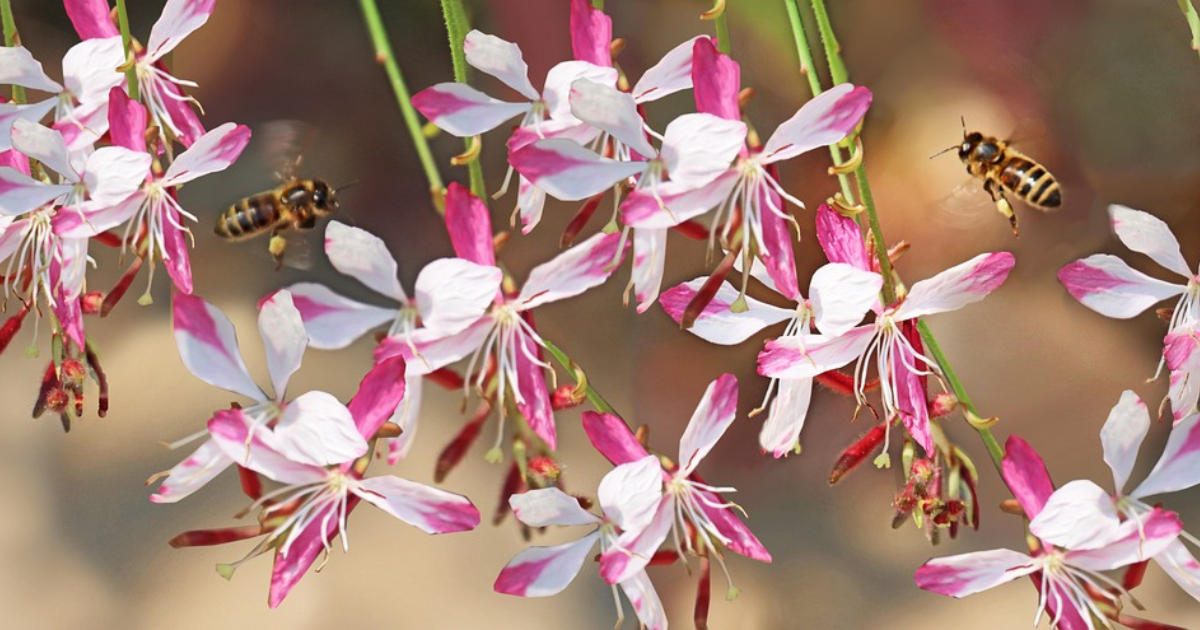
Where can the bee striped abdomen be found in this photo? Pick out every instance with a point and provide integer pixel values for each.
(1030, 182)
(248, 217)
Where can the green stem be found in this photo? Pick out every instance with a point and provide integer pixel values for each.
(837, 68)
(593, 396)
(989, 441)
(385, 56)
(456, 32)
(722, 25)
(598, 5)
(10, 40)
(1193, 20)
(127, 44)
(881, 250)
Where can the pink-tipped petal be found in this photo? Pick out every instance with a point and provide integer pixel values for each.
(379, 395)
(1079, 515)
(970, 573)
(1179, 466)
(1026, 476)
(12, 112)
(1147, 234)
(20, 193)
(644, 599)
(463, 111)
(364, 257)
(958, 286)
(426, 353)
(780, 433)
(46, 146)
(806, 356)
(741, 540)
(175, 258)
(428, 509)
(1137, 540)
(607, 108)
(629, 494)
(550, 506)
(210, 153)
(534, 403)
(611, 436)
(544, 571)
(635, 547)
(1122, 435)
(557, 95)
(824, 120)
(591, 34)
(1181, 351)
(1179, 563)
(333, 321)
(230, 431)
(716, 323)
(777, 256)
(18, 67)
(303, 550)
(649, 263)
(501, 59)
(568, 171)
(841, 296)
(841, 238)
(469, 225)
(716, 81)
(716, 411)
(671, 74)
(208, 347)
(453, 293)
(572, 272)
(1105, 284)
(671, 203)
(90, 71)
(126, 121)
(318, 430)
(193, 473)
(91, 18)
(697, 148)
(179, 18)
(284, 338)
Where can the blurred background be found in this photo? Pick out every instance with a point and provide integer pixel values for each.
(1105, 93)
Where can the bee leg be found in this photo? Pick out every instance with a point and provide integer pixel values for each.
(277, 246)
(1002, 205)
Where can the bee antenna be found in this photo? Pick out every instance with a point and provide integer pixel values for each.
(963, 119)
(349, 184)
(949, 148)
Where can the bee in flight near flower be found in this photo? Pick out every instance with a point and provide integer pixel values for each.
(1004, 169)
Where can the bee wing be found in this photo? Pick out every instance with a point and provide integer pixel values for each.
(966, 207)
(282, 144)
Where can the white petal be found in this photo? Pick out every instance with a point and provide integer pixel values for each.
(1105, 284)
(550, 506)
(210, 153)
(114, 173)
(462, 110)
(364, 257)
(635, 547)
(841, 296)
(649, 263)
(258, 452)
(544, 571)
(825, 119)
(716, 411)
(956, 287)
(970, 573)
(44, 145)
(284, 338)
(1147, 234)
(428, 509)
(179, 18)
(1137, 540)
(316, 429)
(568, 171)
(208, 346)
(572, 272)
(1122, 435)
(629, 494)
(1079, 515)
(1181, 565)
(1181, 350)
(671, 74)
(645, 601)
(605, 107)
(12, 112)
(20, 193)
(18, 67)
(697, 148)
(806, 356)
(500, 59)
(406, 415)
(1179, 466)
(333, 321)
(780, 433)
(193, 473)
(453, 293)
(557, 91)
(716, 323)
(90, 69)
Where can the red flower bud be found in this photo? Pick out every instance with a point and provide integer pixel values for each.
(858, 452)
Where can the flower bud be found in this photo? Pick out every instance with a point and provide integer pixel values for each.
(91, 302)
(943, 404)
(565, 397)
(857, 453)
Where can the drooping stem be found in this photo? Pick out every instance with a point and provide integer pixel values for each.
(1193, 20)
(456, 32)
(127, 44)
(10, 40)
(592, 395)
(385, 56)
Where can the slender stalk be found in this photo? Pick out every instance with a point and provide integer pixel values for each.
(456, 32)
(10, 40)
(127, 44)
(593, 396)
(989, 441)
(1193, 20)
(881, 250)
(722, 25)
(385, 56)
(837, 68)
(598, 5)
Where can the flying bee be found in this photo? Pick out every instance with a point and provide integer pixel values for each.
(1005, 169)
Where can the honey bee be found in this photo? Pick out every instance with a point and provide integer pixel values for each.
(294, 205)
(1005, 169)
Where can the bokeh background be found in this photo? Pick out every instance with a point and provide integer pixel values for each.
(1104, 93)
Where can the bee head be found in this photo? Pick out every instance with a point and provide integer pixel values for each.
(324, 198)
(970, 141)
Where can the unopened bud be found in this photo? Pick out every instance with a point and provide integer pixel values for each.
(857, 453)
(91, 302)
(943, 404)
(72, 372)
(544, 470)
(565, 397)
(57, 400)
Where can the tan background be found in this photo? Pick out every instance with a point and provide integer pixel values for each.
(1105, 93)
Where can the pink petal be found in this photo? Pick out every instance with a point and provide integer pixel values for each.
(956, 287)
(1026, 476)
(364, 257)
(629, 494)
(469, 225)
(303, 551)
(531, 200)
(1105, 284)
(175, 258)
(1147, 234)
(318, 430)
(741, 540)
(612, 437)
(970, 573)
(434, 351)
(716, 323)
(911, 398)
(809, 355)
(191, 474)
(428, 509)
(1139, 539)
(179, 18)
(67, 278)
(90, 71)
(841, 296)
(379, 395)
(550, 506)
(672, 202)
(179, 110)
(824, 120)
(716, 411)
(18, 67)
(12, 112)
(501, 59)
(15, 160)
(462, 110)
(210, 153)
(1122, 435)
(1079, 515)
(645, 601)
(591, 34)
(44, 145)
(568, 171)
(113, 173)
(671, 74)
(841, 238)
(544, 571)
(1179, 563)
(126, 121)
(91, 18)
(780, 433)
(208, 347)
(453, 293)
(697, 148)
(229, 430)
(534, 402)
(572, 272)
(778, 256)
(284, 338)
(1179, 466)
(716, 81)
(649, 263)
(1181, 351)
(333, 321)
(635, 547)
(607, 108)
